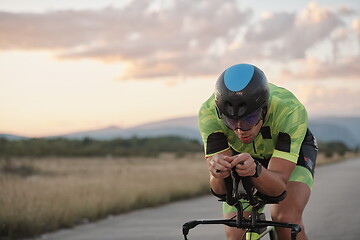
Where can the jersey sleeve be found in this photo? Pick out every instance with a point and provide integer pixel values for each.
(211, 129)
(292, 126)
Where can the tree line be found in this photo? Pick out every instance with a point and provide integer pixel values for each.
(151, 147)
(41, 147)
(331, 148)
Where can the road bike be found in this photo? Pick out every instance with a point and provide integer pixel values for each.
(256, 226)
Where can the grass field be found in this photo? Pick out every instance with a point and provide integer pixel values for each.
(41, 195)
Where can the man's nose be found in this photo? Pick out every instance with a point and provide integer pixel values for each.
(239, 131)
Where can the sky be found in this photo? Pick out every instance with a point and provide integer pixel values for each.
(76, 65)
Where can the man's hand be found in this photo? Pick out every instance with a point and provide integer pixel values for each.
(244, 164)
(219, 166)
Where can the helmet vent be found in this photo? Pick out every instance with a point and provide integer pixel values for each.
(242, 109)
(229, 108)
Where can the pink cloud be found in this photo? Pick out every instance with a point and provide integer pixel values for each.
(314, 69)
(175, 40)
(321, 99)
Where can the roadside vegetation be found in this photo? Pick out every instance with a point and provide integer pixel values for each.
(87, 147)
(46, 185)
(46, 194)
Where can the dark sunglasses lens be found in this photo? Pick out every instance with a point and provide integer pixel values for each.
(246, 123)
(252, 118)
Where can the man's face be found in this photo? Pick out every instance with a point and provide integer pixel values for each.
(249, 135)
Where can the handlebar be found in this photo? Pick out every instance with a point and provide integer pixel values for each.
(245, 223)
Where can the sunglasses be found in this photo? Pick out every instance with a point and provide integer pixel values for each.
(244, 123)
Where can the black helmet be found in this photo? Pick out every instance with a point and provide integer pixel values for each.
(241, 92)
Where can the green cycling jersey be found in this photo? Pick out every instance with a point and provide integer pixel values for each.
(281, 135)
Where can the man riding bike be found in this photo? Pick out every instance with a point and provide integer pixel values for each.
(261, 130)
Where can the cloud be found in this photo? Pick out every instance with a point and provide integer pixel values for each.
(151, 41)
(312, 68)
(344, 10)
(286, 36)
(271, 27)
(182, 38)
(319, 98)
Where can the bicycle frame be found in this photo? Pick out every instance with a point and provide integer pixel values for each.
(255, 236)
(235, 192)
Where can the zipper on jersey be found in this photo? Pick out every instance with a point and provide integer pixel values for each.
(253, 143)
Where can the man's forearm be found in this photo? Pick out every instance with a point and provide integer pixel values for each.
(269, 183)
(217, 185)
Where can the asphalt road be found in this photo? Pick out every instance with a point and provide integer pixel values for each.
(332, 213)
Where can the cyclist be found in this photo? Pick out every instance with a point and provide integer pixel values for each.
(261, 130)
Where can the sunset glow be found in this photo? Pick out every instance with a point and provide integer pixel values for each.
(69, 65)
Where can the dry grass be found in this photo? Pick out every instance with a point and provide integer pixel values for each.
(62, 192)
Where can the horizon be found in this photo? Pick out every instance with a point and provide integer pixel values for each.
(143, 124)
(70, 66)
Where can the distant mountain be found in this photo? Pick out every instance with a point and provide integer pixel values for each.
(184, 127)
(344, 129)
(12, 137)
(99, 134)
(325, 129)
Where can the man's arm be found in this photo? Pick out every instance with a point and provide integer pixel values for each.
(272, 181)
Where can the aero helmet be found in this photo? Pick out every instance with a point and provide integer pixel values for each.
(241, 94)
